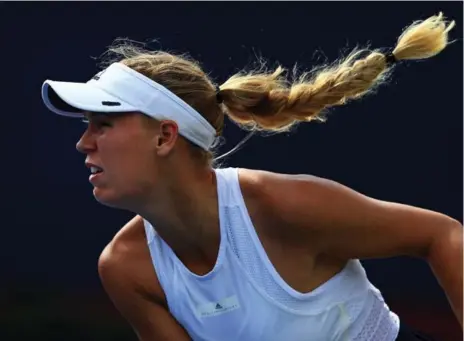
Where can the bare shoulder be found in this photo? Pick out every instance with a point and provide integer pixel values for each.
(283, 193)
(275, 200)
(337, 220)
(129, 278)
(272, 183)
(126, 259)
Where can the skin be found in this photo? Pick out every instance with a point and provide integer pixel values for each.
(308, 226)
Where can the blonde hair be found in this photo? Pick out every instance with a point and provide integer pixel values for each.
(261, 100)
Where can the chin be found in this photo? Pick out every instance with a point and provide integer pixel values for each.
(108, 198)
(116, 199)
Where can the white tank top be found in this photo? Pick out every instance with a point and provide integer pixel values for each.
(243, 298)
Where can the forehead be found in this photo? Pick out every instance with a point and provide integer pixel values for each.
(136, 120)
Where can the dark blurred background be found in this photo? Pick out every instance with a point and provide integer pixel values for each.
(402, 144)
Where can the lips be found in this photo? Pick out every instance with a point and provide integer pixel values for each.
(95, 170)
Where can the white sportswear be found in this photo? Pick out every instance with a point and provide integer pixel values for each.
(243, 298)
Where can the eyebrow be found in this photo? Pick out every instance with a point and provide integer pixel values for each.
(89, 114)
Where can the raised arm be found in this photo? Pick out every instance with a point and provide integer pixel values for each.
(338, 221)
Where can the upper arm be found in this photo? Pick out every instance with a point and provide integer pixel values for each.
(336, 220)
(134, 289)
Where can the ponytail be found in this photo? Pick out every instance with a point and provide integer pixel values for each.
(267, 101)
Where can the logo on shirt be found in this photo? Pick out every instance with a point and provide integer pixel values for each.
(223, 306)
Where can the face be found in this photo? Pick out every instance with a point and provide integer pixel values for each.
(123, 153)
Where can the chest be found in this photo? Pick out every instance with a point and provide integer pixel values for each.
(293, 259)
(227, 309)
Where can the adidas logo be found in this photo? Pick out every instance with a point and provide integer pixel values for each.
(215, 308)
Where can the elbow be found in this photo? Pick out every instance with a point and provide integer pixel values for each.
(447, 245)
(445, 260)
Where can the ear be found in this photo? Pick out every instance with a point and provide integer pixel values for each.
(167, 137)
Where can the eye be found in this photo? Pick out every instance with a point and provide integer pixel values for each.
(99, 122)
(102, 123)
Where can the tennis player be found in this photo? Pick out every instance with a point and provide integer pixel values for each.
(233, 254)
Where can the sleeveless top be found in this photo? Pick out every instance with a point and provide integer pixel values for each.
(243, 298)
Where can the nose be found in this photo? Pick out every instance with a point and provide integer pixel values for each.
(86, 143)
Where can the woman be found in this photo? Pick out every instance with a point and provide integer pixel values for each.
(239, 254)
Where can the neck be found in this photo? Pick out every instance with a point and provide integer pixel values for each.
(186, 214)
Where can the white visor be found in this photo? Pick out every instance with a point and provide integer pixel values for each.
(121, 89)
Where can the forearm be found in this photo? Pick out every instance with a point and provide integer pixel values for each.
(446, 260)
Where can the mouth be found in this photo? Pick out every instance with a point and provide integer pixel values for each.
(95, 170)
(95, 174)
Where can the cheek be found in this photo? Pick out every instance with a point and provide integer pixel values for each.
(129, 161)
(133, 168)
